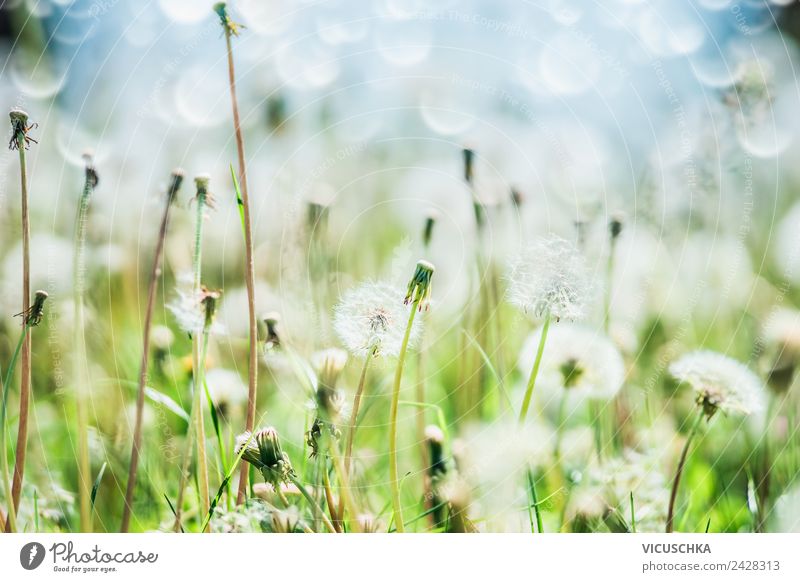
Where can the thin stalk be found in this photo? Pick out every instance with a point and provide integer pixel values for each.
(393, 472)
(10, 525)
(314, 505)
(25, 363)
(155, 272)
(326, 483)
(535, 502)
(199, 353)
(231, 30)
(535, 370)
(81, 364)
(351, 430)
(679, 471)
(609, 291)
(597, 429)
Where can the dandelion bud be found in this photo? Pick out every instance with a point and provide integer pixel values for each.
(263, 450)
(271, 321)
(269, 447)
(517, 197)
(615, 225)
(427, 232)
(250, 453)
(434, 438)
(419, 288)
(176, 179)
(469, 159)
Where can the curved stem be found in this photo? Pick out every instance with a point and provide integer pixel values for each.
(535, 370)
(393, 472)
(679, 471)
(314, 505)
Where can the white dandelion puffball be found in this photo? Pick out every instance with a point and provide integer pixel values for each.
(550, 276)
(576, 359)
(189, 313)
(720, 381)
(373, 316)
(226, 388)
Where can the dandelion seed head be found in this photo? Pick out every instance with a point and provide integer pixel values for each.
(719, 382)
(190, 312)
(372, 318)
(550, 276)
(577, 359)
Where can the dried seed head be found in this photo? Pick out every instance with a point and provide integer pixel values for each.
(229, 25)
(419, 288)
(91, 174)
(176, 179)
(19, 130)
(719, 382)
(203, 195)
(209, 299)
(33, 316)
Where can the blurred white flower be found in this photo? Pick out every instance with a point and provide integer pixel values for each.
(374, 316)
(786, 513)
(720, 382)
(577, 359)
(227, 390)
(550, 276)
(190, 314)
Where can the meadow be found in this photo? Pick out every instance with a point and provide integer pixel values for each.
(442, 309)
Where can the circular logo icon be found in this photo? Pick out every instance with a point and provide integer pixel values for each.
(31, 555)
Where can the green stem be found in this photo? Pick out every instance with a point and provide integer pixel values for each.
(398, 376)
(314, 505)
(11, 518)
(609, 290)
(535, 502)
(351, 431)
(535, 370)
(81, 367)
(679, 471)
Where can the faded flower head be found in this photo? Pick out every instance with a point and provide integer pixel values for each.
(719, 382)
(196, 312)
(262, 449)
(577, 359)
(371, 319)
(550, 276)
(419, 288)
(781, 349)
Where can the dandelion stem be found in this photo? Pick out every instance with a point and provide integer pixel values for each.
(11, 518)
(679, 471)
(81, 363)
(19, 121)
(231, 30)
(393, 472)
(351, 431)
(155, 273)
(535, 370)
(314, 505)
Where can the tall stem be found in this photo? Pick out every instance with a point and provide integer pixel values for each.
(398, 376)
(10, 524)
(679, 471)
(526, 402)
(199, 349)
(249, 265)
(351, 431)
(314, 505)
(25, 362)
(81, 363)
(155, 272)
